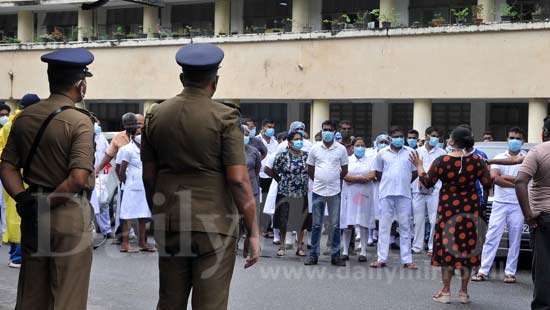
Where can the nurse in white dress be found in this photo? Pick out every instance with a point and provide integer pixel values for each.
(134, 204)
(355, 205)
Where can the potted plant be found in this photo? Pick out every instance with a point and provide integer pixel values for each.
(45, 38)
(376, 16)
(438, 20)
(460, 15)
(537, 14)
(345, 20)
(508, 12)
(287, 24)
(477, 14)
(334, 25)
(57, 35)
(388, 19)
(132, 36)
(11, 40)
(119, 33)
(361, 21)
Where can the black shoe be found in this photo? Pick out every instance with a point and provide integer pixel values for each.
(344, 257)
(362, 258)
(375, 241)
(338, 261)
(309, 247)
(310, 261)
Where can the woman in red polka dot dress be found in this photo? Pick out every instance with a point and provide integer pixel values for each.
(456, 244)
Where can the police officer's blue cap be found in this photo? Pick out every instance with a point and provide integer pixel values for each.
(199, 57)
(70, 61)
(28, 99)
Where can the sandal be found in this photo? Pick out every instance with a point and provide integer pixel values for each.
(128, 250)
(411, 266)
(430, 254)
(377, 264)
(444, 298)
(509, 279)
(479, 277)
(300, 253)
(281, 252)
(148, 248)
(463, 298)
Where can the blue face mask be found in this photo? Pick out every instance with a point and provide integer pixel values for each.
(398, 142)
(412, 143)
(97, 129)
(359, 151)
(434, 141)
(246, 139)
(328, 136)
(270, 132)
(514, 145)
(449, 149)
(380, 146)
(338, 137)
(297, 144)
(252, 132)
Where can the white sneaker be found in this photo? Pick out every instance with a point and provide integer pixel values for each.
(14, 265)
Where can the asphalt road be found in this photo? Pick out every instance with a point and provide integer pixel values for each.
(129, 281)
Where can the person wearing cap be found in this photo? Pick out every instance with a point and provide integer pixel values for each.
(197, 186)
(12, 232)
(56, 238)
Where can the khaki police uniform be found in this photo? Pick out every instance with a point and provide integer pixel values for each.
(57, 276)
(191, 139)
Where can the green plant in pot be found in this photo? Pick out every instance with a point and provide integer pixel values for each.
(461, 15)
(508, 12)
(477, 14)
(119, 33)
(361, 20)
(438, 20)
(57, 35)
(375, 16)
(12, 40)
(287, 24)
(334, 25)
(345, 21)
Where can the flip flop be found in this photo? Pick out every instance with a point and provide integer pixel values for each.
(509, 279)
(479, 277)
(129, 250)
(444, 298)
(411, 266)
(378, 265)
(150, 249)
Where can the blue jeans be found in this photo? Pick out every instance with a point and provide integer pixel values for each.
(333, 203)
(15, 253)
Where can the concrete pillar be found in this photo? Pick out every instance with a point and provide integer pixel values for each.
(489, 10)
(538, 110)
(402, 9)
(478, 118)
(85, 23)
(25, 26)
(150, 20)
(222, 17)
(320, 112)
(237, 16)
(300, 15)
(422, 115)
(380, 117)
(387, 8)
(166, 16)
(315, 14)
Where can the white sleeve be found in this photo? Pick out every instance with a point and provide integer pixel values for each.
(378, 162)
(122, 155)
(344, 158)
(311, 158)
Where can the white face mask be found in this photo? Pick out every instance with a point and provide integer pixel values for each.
(3, 120)
(137, 139)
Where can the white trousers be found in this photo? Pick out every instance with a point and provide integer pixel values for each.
(422, 205)
(503, 215)
(391, 207)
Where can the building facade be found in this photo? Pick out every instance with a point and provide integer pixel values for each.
(412, 63)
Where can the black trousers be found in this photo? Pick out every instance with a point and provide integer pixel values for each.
(541, 267)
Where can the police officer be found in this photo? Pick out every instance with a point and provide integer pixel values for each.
(197, 183)
(52, 142)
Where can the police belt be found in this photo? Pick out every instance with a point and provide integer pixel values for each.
(34, 188)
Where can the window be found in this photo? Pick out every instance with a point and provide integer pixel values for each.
(424, 11)
(127, 20)
(505, 115)
(260, 15)
(8, 26)
(261, 111)
(200, 17)
(446, 116)
(64, 22)
(401, 114)
(360, 115)
(334, 9)
(110, 113)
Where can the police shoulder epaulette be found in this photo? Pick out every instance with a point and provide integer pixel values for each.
(231, 105)
(91, 115)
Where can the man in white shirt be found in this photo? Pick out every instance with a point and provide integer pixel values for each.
(269, 140)
(426, 200)
(395, 172)
(327, 166)
(505, 212)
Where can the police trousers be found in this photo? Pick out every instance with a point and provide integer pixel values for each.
(198, 263)
(540, 238)
(57, 275)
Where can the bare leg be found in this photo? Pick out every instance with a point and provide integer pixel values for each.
(301, 239)
(125, 230)
(466, 273)
(282, 246)
(446, 275)
(142, 233)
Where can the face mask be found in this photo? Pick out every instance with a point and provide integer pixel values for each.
(270, 132)
(298, 144)
(412, 143)
(328, 136)
(380, 146)
(359, 151)
(449, 149)
(440, 145)
(97, 129)
(514, 145)
(252, 132)
(434, 141)
(3, 120)
(338, 137)
(398, 142)
(246, 139)
(137, 139)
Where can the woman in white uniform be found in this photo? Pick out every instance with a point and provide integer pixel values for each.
(355, 205)
(134, 204)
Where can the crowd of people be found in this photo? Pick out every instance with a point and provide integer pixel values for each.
(429, 192)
